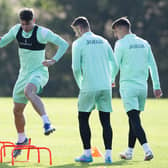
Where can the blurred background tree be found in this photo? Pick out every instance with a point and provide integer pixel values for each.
(148, 18)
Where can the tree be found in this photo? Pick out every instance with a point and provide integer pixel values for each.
(148, 18)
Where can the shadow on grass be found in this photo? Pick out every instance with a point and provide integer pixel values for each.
(6, 165)
(34, 165)
(85, 165)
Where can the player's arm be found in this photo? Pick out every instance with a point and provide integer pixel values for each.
(154, 75)
(7, 38)
(76, 63)
(62, 47)
(118, 54)
(113, 62)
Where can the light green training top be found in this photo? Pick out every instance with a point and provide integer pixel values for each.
(135, 59)
(93, 62)
(31, 60)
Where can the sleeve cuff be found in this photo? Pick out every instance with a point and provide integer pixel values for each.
(156, 87)
(55, 58)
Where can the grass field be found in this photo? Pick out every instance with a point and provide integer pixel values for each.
(65, 143)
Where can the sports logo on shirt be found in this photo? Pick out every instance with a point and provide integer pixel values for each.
(134, 46)
(25, 43)
(94, 42)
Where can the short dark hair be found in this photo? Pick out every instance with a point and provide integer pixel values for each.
(123, 21)
(26, 14)
(81, 21)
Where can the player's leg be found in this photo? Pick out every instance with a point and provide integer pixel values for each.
(139, 132)
(85, 134)
(130, 101)
(131, 136)
(20, 102)
(85, 106)
(128, 153)
(103, 102)
(84, 128)
(31, 94)
(107, 129)
(145, 146)
(137, 127)
(107, 134)
(20, 124)
(19, 119)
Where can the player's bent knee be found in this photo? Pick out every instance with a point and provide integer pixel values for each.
(28, 93)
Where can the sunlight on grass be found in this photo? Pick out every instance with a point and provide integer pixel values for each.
(65, 143)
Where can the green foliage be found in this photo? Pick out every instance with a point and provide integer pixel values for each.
(148, 18)
(8, 55)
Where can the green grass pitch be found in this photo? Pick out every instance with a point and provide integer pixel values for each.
(65, 143)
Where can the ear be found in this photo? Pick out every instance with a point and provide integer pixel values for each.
(34, 20)
(81, 29)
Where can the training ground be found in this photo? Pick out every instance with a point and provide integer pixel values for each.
(65, 143)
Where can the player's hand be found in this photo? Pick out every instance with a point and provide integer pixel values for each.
(113, 85)
(158, 93)
(49, 62)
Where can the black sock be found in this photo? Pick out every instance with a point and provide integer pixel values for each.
(136, 126)
(131, 136)
(84, 129)
(107, 130)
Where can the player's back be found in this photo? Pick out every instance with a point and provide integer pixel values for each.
(134, 63)
(95, 62)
